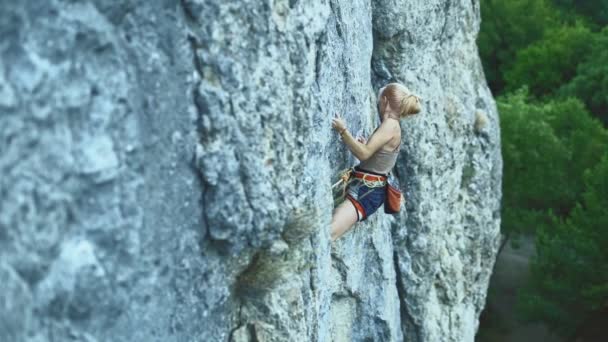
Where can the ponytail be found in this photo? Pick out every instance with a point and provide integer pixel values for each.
(410, 104)
(401, 99)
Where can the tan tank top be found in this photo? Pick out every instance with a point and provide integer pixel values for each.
(381, 161)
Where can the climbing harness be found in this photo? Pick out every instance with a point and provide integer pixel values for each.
(350, 175)
(369, 180)
(345, 176)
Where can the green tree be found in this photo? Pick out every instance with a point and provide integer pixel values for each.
(549, 63)
(591, 81)
(569, 278)
(506, 27)
(596, 10)
(546, 148)
(553, 66)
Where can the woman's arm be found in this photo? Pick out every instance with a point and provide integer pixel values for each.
(379, 138)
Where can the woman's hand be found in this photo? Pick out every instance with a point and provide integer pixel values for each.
(338, 123)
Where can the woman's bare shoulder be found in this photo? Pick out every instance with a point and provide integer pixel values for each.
(391, 124)
(388, 128)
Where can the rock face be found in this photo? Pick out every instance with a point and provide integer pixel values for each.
(167, 169)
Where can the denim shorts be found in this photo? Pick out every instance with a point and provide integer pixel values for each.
(366, 200)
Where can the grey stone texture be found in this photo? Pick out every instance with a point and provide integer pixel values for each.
(167, 168)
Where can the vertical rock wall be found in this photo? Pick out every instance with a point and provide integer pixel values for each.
(166, 171)
(444, 247)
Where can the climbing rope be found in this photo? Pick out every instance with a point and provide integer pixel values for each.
(345, 179)
(373, 184)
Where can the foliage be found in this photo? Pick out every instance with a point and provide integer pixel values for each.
(596, 10)
(569, 278)
(533, 161)
(548, 61)
(508, 26)
(591, 81)
(547, 64)
(546, 147)
(556, 185)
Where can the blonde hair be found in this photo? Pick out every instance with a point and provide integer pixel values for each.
(401, 99)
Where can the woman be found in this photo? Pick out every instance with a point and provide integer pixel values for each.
(366, 188)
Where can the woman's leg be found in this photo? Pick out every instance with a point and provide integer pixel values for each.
(344, 217)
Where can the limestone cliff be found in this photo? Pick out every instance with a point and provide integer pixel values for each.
(167, 169)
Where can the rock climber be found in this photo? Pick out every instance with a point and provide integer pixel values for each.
(366, 187)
